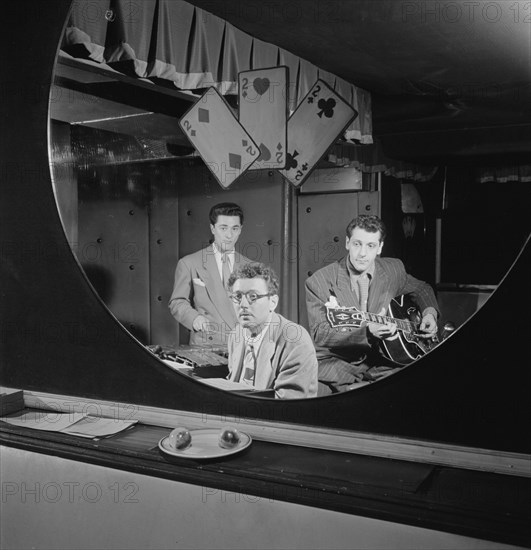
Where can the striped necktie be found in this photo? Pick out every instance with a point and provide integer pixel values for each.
(249, 365)
(225, 269)
(363, 283)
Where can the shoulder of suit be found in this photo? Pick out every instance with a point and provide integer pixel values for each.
(390, 263)
(290, 330)
(277, 324)
(199, 255)
(243, 259)
(326, 271)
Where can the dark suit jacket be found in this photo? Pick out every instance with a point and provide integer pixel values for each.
(286, 359)
(389, 281)
(198, 289)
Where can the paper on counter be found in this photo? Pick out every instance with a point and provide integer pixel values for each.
(95, 426)
(51, 421)
(72, 423)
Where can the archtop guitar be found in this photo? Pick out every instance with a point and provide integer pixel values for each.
(405, 346)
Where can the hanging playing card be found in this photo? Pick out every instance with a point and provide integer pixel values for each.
(227, 149)
(263, 112)
(318, 121)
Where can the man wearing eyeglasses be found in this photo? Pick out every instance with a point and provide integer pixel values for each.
(200, 300)
(267, 351)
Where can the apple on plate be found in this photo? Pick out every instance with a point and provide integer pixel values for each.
(229, 438)
(179, 439)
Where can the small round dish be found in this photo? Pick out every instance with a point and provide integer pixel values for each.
(205, 445)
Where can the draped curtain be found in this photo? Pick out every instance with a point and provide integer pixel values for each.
(371, 159)
(172, 41)
(505, 174)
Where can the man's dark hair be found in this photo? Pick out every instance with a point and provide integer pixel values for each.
(256, 269)
(225, 209)
(372, 224)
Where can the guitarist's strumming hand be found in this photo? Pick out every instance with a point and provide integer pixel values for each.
(428, 326)
(382, 331)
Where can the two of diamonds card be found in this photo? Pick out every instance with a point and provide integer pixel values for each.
(227, 149)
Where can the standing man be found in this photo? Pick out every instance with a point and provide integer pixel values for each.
(266, 351)
(200, 300)
(364, 280)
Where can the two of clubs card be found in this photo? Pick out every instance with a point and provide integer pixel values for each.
(320, 118)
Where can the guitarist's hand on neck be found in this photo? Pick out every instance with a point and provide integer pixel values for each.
(382, 331)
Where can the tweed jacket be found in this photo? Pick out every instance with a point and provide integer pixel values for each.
(286, 359)
(198, 290)
(389, 281)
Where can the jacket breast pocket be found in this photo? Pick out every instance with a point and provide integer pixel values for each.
(201, 297)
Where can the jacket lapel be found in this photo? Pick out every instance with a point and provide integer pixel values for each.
(216, 291)
(236, 354)
(378, 288)
(266, 352)
(346, 297)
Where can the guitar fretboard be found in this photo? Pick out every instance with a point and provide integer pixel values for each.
(402, 324)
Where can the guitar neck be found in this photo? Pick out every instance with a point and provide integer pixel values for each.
(402, 324)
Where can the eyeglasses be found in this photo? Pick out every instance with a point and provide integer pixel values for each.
(251, 296)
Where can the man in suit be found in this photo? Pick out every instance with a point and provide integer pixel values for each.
(200, 300)
(348, 356)
(266, 351)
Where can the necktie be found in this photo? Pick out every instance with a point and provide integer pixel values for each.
(225, 269)
(363, 283)
(249, 365)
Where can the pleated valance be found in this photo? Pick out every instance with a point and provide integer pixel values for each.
(174, 42)
(505, 174)
(371, 159)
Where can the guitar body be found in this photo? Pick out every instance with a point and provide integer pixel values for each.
(404, 347)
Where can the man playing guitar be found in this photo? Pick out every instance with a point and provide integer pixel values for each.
(349, 352)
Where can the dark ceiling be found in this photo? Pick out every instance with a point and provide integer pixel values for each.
(448, 79)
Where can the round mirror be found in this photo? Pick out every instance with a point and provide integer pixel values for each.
(134, 195)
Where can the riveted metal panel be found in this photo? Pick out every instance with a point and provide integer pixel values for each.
(163, 248)
(322, 223)
(113, 244)
(369, 203)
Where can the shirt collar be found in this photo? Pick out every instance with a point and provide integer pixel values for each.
(219, 254)
(257, 340)
(353, 273)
